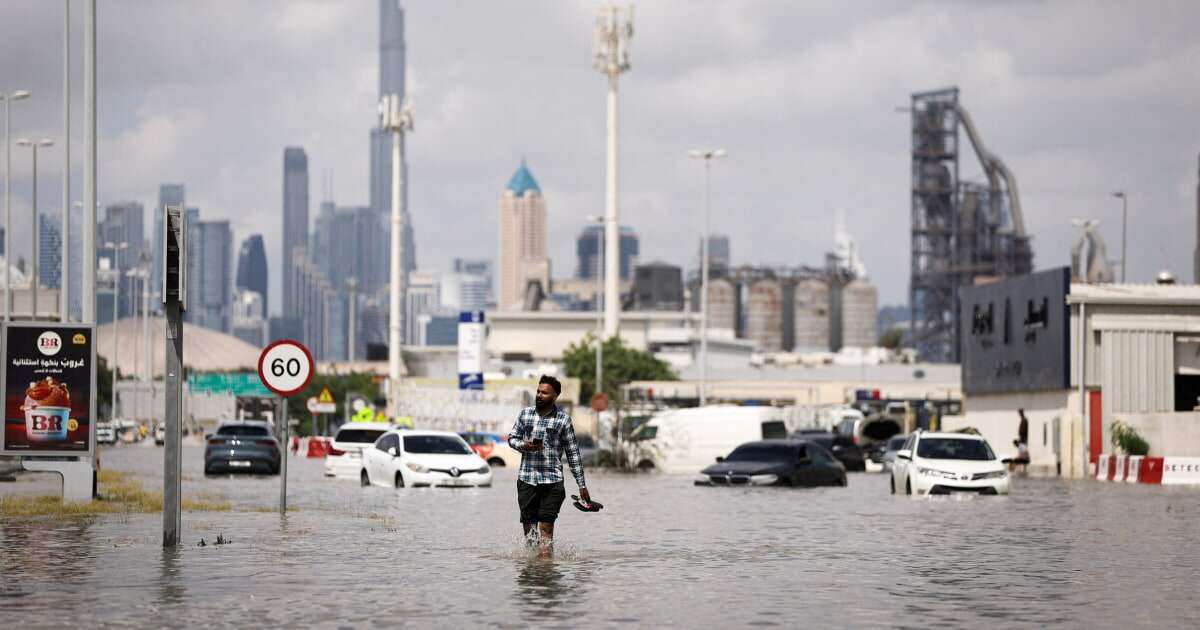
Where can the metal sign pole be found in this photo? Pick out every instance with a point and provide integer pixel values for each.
(174, 417)
(283, 458)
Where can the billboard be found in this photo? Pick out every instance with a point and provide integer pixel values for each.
(49, 384)
(1015, 334)
(472, 349)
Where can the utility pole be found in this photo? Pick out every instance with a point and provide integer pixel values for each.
(396, 117)
(33, 278)
(65, 249)
(611, 58)
(89, 164)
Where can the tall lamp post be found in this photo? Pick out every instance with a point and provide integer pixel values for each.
(1120, 194)
(708, 155)
(34, 281)
(116, 278)
(599, 301)
(7, 99)
(611, 58)
(396, 117)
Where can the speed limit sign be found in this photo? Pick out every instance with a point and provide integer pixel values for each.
(285, 367)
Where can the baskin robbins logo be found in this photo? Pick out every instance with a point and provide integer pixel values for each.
(49, 343)
(79, 339)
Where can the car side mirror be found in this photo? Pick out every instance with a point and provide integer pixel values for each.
(207, 437)
(392, 451)
(720, 459)
(904, 454)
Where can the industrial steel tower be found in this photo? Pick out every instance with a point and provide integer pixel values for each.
(612, 58)
(961, 231)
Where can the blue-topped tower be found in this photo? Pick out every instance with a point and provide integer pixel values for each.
(522, 181)
(523, 268)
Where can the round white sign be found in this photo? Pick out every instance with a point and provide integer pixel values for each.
(285, 367)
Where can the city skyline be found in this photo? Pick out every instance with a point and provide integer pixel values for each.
(839, 144)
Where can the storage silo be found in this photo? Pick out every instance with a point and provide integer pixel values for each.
(860, 314)
(764, 315)
(811, 316)
(722, 305)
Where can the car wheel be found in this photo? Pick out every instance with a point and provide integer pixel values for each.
(496, 462)
(843, 483)
(908, 486)
(645, 465)
(399, 480)
(364, 478)
(892, 483)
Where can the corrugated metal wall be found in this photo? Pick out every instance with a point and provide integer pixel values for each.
(1138, 372)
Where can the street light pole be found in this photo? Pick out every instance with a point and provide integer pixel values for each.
(34, 281)
(1120, 194)
(599, 302)
(116, 276)
(396, 117)
(708, 156)
(7, 100)
(65, 248)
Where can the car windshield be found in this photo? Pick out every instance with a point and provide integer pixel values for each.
(435, 444)
(644, 432)
(954, 448)
(897, 443)
(762, 453)
(585, 440)
(359, 436)
(243, 430)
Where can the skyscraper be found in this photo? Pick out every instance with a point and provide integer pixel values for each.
(522, 239)
(587, 251)
(252, 269)
(391, 81)
(168, 195)
(213, 288)
(295, 215)
(49, 251)
(718, 254)
(123, 223)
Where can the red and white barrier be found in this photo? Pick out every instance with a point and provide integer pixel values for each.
(1148, 470)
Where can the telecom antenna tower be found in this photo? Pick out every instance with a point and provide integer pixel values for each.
(611, 58)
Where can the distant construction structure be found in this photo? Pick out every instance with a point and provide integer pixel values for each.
(962, 232)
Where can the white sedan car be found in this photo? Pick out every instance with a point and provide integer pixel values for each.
(419, 459)
(942, 463)
(344, 459)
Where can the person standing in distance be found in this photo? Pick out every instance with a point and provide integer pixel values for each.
(543, 434)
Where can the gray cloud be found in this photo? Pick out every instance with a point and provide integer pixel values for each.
(1079, 98)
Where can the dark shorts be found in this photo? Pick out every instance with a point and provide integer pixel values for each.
(540, 503)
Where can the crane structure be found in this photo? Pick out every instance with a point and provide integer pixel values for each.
(963, 232)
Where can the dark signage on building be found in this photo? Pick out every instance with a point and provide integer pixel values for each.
(1015, 335)
(49, 384)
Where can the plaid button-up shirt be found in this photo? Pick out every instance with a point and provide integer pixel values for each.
(558, 437)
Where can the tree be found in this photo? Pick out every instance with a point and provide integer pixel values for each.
(622, 365)
(892, 338)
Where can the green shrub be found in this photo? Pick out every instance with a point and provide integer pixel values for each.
(1127, 439)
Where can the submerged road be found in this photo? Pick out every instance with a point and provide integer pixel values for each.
(662, 553)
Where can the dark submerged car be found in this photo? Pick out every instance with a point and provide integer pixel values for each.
(242, 446)
(775, 463)
(843, 448)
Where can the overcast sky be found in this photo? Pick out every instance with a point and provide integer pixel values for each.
(1079, 99)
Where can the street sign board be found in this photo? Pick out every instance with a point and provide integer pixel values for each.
(326, 396)
(315, 405)
(236, 383)
(472, 349)
(599, 402)
(285, 367)
(49, 384)
(174, 287)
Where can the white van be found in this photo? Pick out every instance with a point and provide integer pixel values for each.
(686, 440)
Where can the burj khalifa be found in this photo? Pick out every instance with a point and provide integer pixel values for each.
(391, 81)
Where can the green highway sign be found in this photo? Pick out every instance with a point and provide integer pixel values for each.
(236, 383)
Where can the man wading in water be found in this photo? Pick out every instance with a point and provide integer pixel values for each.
(542, 434)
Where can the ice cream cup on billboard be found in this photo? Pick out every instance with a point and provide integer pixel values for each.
(47, 424)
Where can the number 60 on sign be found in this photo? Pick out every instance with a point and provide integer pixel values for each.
(285, 367)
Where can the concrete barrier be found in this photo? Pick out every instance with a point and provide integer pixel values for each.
(1148, 469)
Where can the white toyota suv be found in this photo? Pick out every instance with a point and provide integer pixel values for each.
(344, 458)
(942, 463)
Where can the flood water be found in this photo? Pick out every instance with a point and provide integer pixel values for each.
(662, 553)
